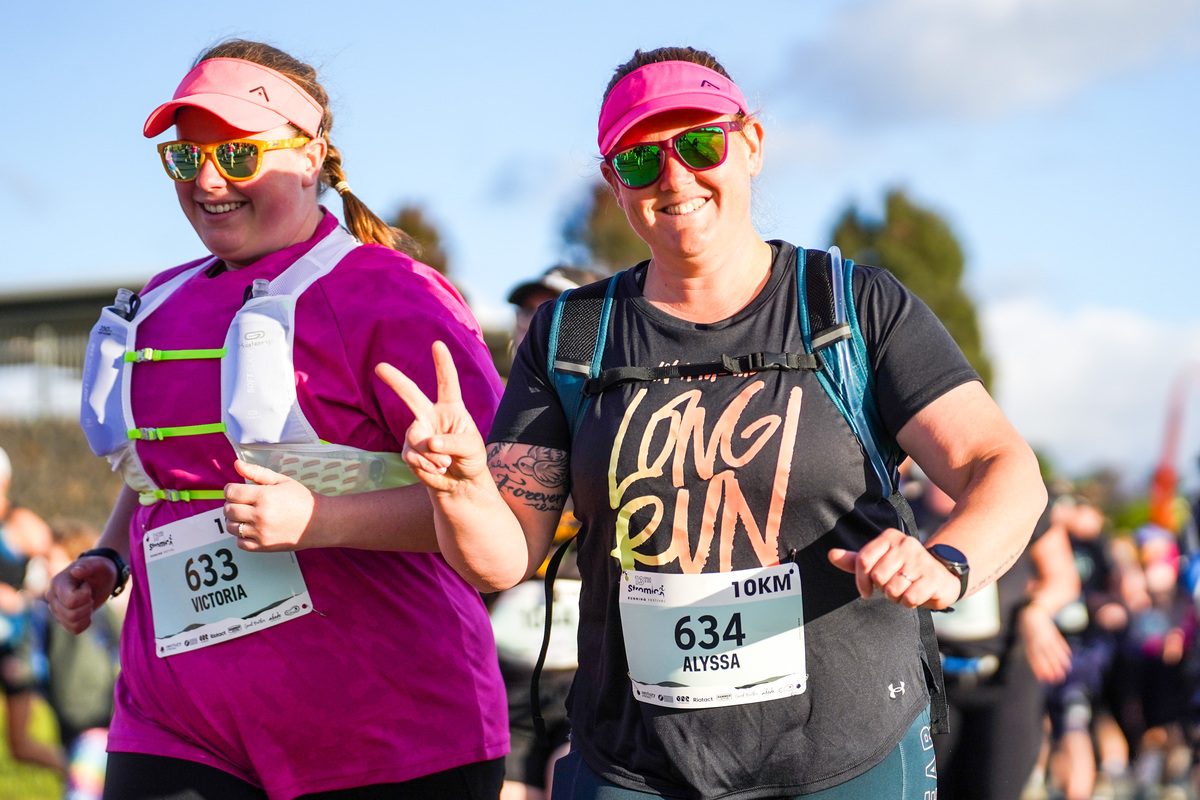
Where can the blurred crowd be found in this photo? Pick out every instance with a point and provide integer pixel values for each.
(73, 675)
(1095, 677)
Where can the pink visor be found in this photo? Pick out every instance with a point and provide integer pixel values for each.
(248, 96)
(664, 86)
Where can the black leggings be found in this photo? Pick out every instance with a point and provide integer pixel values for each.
(135, 776)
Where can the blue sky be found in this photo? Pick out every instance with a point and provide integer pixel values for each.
(1058, 138)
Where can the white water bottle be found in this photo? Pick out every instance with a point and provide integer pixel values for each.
(123, 303)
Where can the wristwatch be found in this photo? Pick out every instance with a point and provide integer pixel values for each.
(953, 559)
(118, 562)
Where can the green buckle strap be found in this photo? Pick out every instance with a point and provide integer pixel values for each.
(158, 434)
(150, 354)
(179, 495)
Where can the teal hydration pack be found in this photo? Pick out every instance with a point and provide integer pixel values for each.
(833, 348)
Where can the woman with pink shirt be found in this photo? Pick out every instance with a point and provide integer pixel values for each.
(292, 630)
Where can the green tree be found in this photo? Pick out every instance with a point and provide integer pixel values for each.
(597, 234)
(920, 249)
(412, 220)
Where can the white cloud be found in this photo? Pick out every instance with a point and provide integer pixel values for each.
(492, 315)
(1091, 387)
(887, 60)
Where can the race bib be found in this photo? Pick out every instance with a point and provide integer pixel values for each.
(519, 617)
(722, 639)
(204, 590)
(973, 618)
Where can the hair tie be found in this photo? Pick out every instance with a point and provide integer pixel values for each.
(341, 187)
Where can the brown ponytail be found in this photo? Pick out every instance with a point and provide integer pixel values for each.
(366, 226)
(362, 221)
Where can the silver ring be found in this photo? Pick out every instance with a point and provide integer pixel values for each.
(910, 580)
(238, 531)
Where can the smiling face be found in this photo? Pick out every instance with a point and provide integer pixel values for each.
(686, 215)
(242, 221)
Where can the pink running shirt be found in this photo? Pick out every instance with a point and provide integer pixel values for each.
(394, 675)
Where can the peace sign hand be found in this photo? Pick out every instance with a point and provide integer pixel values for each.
(443, 446)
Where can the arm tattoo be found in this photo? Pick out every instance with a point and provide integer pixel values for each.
(1004, 567)
(537, 478)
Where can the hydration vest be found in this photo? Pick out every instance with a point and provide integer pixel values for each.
(260, 412)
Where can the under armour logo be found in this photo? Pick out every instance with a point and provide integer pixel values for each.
(705, 83)
(260, 90)
(895, 691)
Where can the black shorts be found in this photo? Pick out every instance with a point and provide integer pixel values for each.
(136, 776)
(1072, 703)
(1164, 692)
(526, 761)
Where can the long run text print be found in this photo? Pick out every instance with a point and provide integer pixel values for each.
(733, 443)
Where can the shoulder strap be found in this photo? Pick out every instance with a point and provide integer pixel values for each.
(320, 260)
(578, 331)
(829, 325)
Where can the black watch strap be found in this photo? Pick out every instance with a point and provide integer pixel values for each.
(118, 562)
(953, 559)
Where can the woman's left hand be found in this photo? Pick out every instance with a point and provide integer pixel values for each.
(899, 565)
(273, 513)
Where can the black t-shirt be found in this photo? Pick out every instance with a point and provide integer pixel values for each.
(1093, 562)
(730, 473)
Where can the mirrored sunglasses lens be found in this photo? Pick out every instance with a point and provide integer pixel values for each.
(238, 160)
(638, 166)
(701, 148)
(182, 160)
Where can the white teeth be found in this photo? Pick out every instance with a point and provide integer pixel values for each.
(221, 208)
(686, 208)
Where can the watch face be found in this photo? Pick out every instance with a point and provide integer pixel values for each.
(949, 555)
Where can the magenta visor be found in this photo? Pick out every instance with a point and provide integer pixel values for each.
(664, 86)
(247, 96)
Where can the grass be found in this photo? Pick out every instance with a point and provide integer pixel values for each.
(23, 781)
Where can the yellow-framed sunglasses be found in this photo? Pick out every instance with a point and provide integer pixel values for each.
(236, 159)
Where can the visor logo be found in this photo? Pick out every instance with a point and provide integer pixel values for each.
(710, 85)
(261, 92)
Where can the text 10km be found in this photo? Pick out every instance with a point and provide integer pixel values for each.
(769, 584)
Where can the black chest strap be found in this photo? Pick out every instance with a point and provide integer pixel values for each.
(728, 365)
